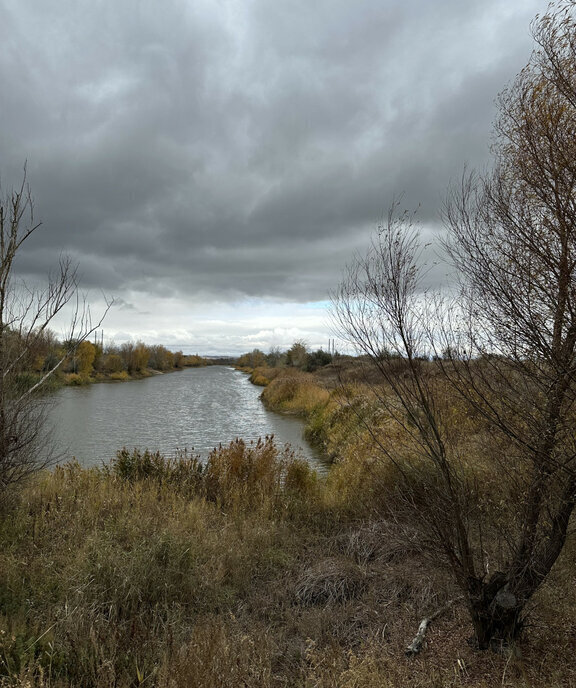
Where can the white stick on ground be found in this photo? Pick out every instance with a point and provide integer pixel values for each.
(416, 645)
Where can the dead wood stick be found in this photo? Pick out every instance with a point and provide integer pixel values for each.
(416, 645)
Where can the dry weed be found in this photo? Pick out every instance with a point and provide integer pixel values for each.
(330, 580)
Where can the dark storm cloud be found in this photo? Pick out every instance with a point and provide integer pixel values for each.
(230, 148)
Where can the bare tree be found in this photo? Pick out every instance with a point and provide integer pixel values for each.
(26, 313)
(509, 346)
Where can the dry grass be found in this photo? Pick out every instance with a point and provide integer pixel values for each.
(106, 580)
(101, 576)
(329, 580)
(248, 571)
(293, 391)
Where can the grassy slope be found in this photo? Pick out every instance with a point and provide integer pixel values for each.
(250, 572)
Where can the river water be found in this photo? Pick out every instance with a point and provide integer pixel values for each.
(195, 409)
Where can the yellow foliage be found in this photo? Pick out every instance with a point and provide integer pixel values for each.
(192, 361)
(140, 357)
(38, 363)
(73, 379)
(85, 355)
(113, 364)
(120, 375)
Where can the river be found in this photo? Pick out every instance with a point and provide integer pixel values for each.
(195, 409)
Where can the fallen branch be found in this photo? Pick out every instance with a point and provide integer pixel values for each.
(416, 645)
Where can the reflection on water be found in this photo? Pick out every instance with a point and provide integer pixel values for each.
(195, 409)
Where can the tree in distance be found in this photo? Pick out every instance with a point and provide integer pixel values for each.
(505, 349)
(297, 354)
(26, 313)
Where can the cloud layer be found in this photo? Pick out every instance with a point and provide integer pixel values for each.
(213, 155)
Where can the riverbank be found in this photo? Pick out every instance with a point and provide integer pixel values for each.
(75, 380)
(252, 569)
(90, 363)
(336, 402)
(249, 571)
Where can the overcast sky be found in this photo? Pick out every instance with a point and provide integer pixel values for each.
(213, 164)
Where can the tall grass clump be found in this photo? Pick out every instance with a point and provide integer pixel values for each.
(182, 473)
(345, 424)
(263, 375)
(259, 475)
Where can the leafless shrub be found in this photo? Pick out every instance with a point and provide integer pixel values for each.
(26, 313)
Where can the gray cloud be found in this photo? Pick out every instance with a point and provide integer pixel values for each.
(214, 150)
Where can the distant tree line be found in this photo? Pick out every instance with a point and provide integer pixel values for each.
(297, 356)
(92, 360)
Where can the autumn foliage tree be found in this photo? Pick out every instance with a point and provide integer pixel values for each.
(135, 356)
(252, 359)
(506, 348)
(85, 355)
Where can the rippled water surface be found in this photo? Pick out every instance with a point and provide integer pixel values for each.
(197, 408)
